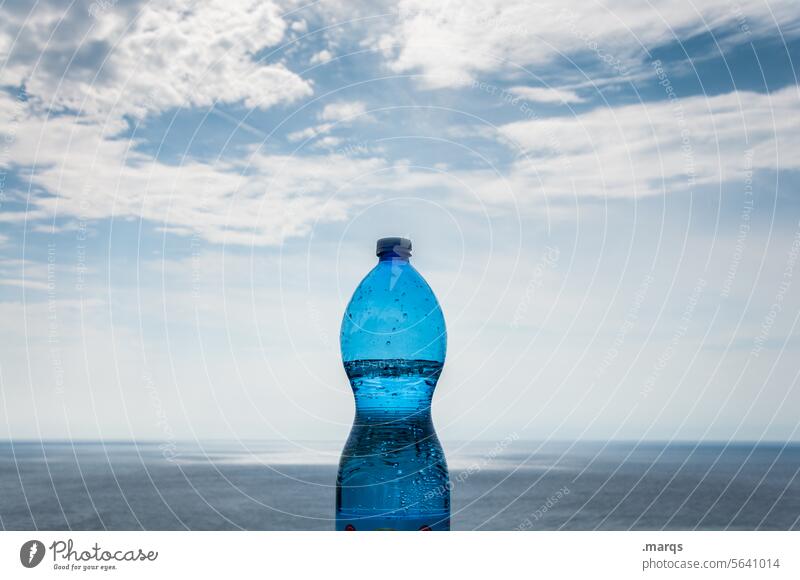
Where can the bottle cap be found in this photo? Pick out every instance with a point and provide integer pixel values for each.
(399, 246)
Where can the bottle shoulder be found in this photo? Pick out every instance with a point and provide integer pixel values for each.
(393, 313)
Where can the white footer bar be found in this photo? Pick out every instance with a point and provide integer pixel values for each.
(386, 555)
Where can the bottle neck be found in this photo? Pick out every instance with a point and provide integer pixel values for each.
(393, 257)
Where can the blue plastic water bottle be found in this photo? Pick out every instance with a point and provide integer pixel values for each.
(392, 473)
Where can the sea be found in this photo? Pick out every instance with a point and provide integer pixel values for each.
(501, 485)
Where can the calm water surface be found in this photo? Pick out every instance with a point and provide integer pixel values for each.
(496, 486)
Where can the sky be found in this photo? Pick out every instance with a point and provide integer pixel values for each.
(603, 195)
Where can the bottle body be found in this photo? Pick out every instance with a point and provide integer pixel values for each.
(393, 473)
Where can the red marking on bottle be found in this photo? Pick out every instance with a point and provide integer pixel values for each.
(349, 528)
(425, 529)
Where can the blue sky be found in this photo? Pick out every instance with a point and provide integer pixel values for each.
(603, 197)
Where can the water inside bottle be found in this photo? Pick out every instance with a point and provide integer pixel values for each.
(393, 473)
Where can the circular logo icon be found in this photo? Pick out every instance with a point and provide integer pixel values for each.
(31, 553)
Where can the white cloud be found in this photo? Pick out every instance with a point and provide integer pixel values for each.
(452, 43)
(334, 115)
(321, 57)
(138, 60)
(343, 111)
(328, 142)
(546, 95)
(647, 149)
(169, 58)
(300, 26)
(630, 151)
(309, 132)
(258, 199)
